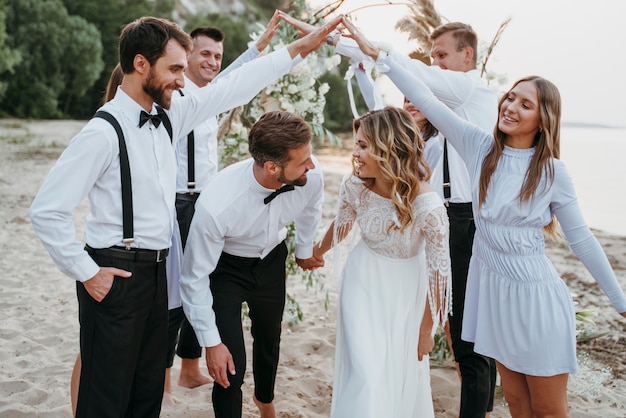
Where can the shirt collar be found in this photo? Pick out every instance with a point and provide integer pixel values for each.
(129, 107)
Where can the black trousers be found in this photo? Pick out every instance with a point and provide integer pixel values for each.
(478, 373)
(181, 338)
(260, 283)
(123, 343)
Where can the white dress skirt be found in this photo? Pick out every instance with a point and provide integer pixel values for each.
(388, 278)
(377, 373)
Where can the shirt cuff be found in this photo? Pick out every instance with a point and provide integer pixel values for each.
(84, 270)
(209, 338)
(304, 251)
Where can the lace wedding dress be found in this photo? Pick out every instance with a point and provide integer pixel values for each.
(387, 280)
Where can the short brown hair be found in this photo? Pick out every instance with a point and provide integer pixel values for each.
(463, 34)
(274, 134)
(148, 36)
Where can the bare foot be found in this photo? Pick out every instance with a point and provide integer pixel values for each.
(190, 374)
(267, 409)
(168, 400)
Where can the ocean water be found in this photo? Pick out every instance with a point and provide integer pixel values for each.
(596, 160)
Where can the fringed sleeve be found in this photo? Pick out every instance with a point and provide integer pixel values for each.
(437, 231)
(346, 213)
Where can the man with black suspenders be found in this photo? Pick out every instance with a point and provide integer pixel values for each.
(121, 279)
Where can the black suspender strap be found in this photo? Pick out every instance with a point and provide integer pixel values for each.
(191, 162)
(446, 173)
(127, 191)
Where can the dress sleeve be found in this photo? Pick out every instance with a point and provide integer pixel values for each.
(346, 214)
(583, 243)
(436, 231)
(468, 139)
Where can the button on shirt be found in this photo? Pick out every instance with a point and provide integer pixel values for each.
(240, 224)
(89, 167)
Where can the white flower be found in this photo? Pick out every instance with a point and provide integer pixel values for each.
(323, 89)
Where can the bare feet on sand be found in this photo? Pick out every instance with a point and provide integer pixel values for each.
(190, 374)
(267, 409)
(168, 400)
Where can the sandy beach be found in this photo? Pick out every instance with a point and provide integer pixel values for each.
(39, 330)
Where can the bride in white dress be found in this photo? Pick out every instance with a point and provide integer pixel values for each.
(396, 281)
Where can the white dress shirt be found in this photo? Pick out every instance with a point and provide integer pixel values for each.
(89, 167)
(464, 92)
(206, 164)
(240, 224)
(205, 137)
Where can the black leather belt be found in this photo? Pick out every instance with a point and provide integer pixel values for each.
(188, 197)
(134, 254)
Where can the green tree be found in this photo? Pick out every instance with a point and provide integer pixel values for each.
(41, 32)
(82, 69)
(9, 57)
(236, 33)
(109, 17)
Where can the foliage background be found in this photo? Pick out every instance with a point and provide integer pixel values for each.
(56, 55)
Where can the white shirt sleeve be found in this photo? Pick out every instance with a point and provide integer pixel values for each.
(202, 252)
(307, 223)
(72, 177)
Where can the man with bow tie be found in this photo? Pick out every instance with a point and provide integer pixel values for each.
(127, 169)
(236, 253)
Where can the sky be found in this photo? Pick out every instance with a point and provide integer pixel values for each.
(579, 46)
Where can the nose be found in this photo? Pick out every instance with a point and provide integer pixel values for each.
(180, 81)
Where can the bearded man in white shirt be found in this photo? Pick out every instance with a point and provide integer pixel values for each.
(236, 253)
(120, 272)
(197, 162)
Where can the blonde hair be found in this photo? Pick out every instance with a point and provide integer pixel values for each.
(396, 144)
(547, 145)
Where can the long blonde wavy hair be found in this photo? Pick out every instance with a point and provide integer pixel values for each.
(547, 145)
(397, 146)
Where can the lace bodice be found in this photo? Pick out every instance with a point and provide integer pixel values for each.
(375, 214)
(429, 231)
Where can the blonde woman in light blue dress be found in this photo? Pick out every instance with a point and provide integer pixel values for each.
(517, 308)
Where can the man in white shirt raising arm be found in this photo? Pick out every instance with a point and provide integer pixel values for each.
(120, 272)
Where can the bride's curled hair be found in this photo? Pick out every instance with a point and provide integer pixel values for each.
(397, 146)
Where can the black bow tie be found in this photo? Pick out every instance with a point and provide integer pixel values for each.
(145, 117)
(285, 188)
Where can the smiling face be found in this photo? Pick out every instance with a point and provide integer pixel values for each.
(295, 169)
(205, 60)
(418, 116)
(166, 75)
(365, 166)
(519, 116)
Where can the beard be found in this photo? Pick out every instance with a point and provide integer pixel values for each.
(156, 92)
(300, 181)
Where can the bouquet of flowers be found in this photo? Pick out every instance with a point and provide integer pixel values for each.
(298, 92)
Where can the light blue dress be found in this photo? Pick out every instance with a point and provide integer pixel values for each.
(518, 310)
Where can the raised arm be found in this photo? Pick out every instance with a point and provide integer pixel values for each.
(465, 137)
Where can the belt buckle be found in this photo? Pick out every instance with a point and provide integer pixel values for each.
(158, 256)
